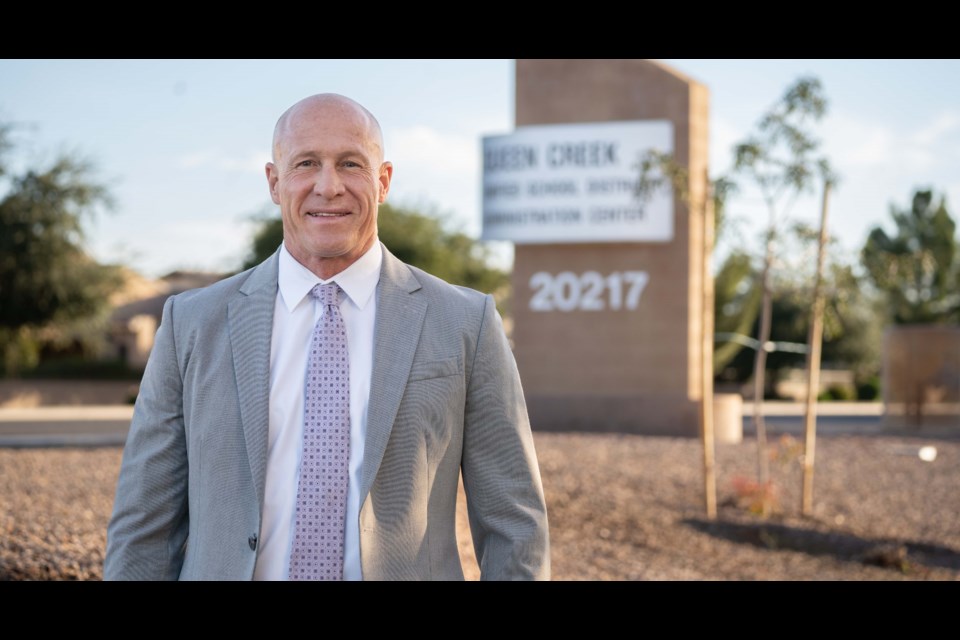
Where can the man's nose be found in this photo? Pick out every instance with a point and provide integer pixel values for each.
(328, 183)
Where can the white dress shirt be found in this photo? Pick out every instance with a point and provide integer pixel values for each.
(294, 316)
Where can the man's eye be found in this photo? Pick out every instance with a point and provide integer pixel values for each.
(305, 163)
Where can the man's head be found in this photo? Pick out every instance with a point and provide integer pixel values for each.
(328, 176)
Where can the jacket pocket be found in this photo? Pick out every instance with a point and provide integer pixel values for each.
(452, 366)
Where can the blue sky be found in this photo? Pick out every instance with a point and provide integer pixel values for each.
(182, 143)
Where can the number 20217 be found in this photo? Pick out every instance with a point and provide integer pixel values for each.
(589, 291)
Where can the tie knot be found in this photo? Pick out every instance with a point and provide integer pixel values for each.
(327, 294)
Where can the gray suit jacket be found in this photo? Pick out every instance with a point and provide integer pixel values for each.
(445, 395)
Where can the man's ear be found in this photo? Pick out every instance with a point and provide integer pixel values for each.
(273, 176)
(386, 175)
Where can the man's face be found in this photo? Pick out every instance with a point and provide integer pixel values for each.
(328, 178)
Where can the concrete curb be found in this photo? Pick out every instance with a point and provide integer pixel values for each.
(65, 426)
(781, 408)
(53, 441)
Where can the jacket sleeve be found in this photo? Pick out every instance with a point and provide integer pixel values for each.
(501, 477)
(147, 533)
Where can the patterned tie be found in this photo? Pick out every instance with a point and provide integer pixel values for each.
(317, 552)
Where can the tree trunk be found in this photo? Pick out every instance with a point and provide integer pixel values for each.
(759, 370)
(814, 342)
(706, 369)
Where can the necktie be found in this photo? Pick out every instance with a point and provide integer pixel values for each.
(317, 552)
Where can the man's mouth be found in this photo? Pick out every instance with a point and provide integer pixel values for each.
(327, 214)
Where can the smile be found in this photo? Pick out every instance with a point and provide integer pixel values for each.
(326, 214)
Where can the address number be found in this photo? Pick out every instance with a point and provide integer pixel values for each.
(588, 291)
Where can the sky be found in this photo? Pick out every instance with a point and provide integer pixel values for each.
(181, 144)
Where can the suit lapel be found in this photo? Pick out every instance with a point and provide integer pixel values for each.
(397, 331)
(251, 324)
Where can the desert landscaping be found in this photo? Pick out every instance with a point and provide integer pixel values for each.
(621, 508)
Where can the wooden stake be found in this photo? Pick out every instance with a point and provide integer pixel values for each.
(814, 341)
(706, 374)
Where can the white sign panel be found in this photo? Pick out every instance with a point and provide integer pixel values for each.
(575, 183)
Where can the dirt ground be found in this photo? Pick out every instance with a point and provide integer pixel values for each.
(621, 508)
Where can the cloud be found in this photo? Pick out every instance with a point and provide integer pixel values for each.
(852, 142)
(437, 170)
(944, 124)
(423, 148)
(251, 162)
(200, 244)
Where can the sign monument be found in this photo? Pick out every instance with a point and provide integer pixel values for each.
(608, 287)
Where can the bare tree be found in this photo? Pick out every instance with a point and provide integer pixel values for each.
(779, 157)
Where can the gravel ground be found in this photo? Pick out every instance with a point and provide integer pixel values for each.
(621, 507)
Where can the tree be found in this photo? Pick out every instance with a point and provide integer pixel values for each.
(852, 326)
(779, 158)
(918, 268)
(47, 280)
(416, 238)
(737, 304)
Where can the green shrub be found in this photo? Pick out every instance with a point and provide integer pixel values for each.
(837, 393)
(78, 368)
(869, 390)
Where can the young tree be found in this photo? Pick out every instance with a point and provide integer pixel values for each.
(46, 277)
(780, 159)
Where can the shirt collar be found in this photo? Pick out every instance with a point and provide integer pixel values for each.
(358, 281)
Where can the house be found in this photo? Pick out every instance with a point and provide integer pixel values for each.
(138, 308)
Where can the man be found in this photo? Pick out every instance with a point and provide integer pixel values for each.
(210, 487)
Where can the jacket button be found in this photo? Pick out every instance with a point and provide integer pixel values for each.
(252, 541)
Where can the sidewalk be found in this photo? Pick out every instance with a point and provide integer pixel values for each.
(854, 418)
(65, 426)
(107, 425)
(781, 408)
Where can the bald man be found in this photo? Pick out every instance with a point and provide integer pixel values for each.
(217, 480)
